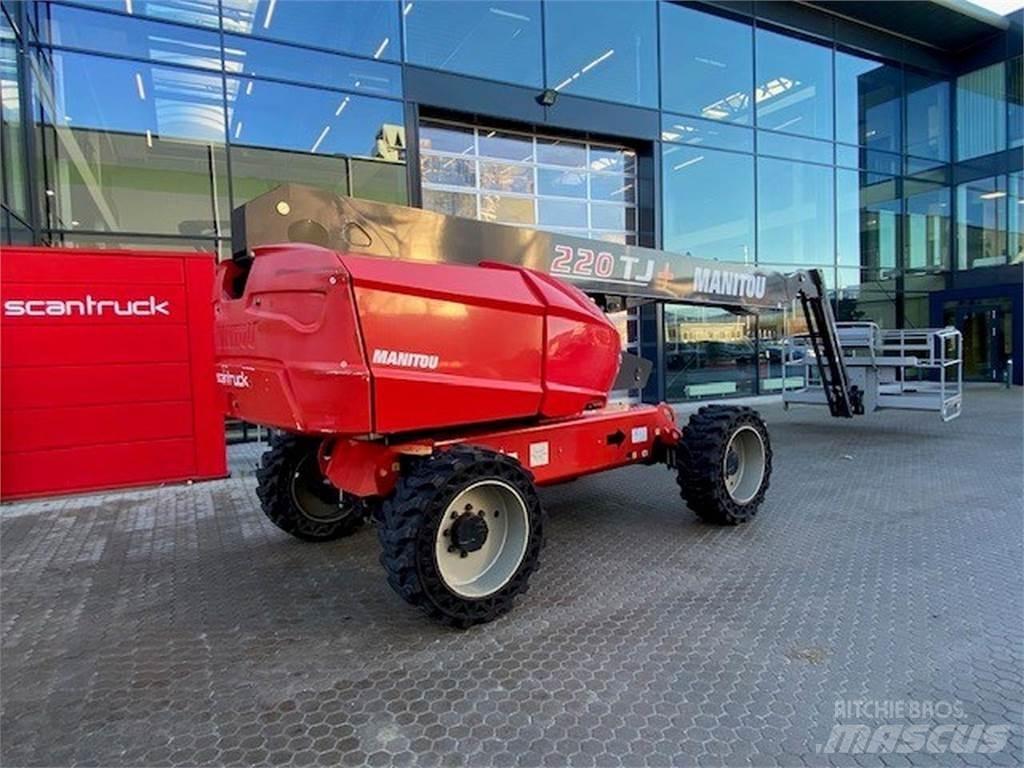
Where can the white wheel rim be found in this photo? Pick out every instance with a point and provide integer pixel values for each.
(486, 570)
(743, 464)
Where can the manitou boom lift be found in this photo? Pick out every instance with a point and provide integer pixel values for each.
(430, 371)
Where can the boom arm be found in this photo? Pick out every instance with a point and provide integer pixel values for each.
(296, 213)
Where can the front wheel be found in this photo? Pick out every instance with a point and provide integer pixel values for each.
(724, 463)
(462, 534)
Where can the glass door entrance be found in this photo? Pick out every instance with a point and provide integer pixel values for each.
(987, 328)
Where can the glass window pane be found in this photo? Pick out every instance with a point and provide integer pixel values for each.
(130, 36)
(709, 352)
(562, 213)
(256, 170)
(450, 171)
(794, 148)
(794, 85)
(867, 222)
(201, 13)
(516, 174)
(847, 156)
(1015, 224)
(614, 217)
(981, 112)
(570, 154)
(362, 27)
(558, 183)
(706, 133)
(122, 242)
(612, 160)
(451, 203)
(795, 205)
(605, 49)
(927, 117)
(506, 177)
(144, 153)
(257, 58)
(506, 146)
(447, 138)
(616, 188)
(13, 162)
(708, 202)
(868, 102)
(507, 210)
(880, 162)
(378, 180)
(706, 65)
(1015, 100)
(318, 122)
(863, 297)
(496, 40)
(926, 231)
(982, 222)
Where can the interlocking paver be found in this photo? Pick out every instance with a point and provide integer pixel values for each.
(177, 626)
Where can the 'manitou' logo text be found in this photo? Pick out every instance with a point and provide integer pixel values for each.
(725, 283)
(404, 359)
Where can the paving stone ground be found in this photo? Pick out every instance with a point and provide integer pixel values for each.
(177, 626)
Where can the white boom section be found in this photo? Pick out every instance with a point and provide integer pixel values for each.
(917, 369)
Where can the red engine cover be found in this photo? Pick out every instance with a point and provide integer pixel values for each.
(342, 344)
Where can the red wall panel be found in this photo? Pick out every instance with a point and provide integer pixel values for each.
(107, 370)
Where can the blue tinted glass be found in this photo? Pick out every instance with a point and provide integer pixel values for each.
(245, 56)
(708, 203)
(794, 85)
(197, 12)
(927, 170)
(867, 102)
(1015, 100)
(981, 113)
(141, 147)
(927, 231)
(562, 183)
(794, 215)
(604, 49)
(706, 133)
(137, 97)
(927, 117)
(365, 27)
(706, 65)
(867, 220)
(880, 162)
(794, 148)
(318, 122)
(848, 157)
(498, 40)
(129, 36)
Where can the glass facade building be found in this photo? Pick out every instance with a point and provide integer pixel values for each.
(889, 155)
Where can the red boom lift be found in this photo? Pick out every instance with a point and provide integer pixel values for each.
(420, 373)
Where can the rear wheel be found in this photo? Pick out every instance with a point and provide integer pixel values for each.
(724, 463)
(462, 534)
(297, 497)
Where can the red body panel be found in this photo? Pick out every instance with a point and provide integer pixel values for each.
(553, 451)
(289, 353)
(328, 343)
(98, 395)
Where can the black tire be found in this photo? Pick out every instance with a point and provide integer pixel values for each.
(703, 464)
(295, 496)
(411, 522)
